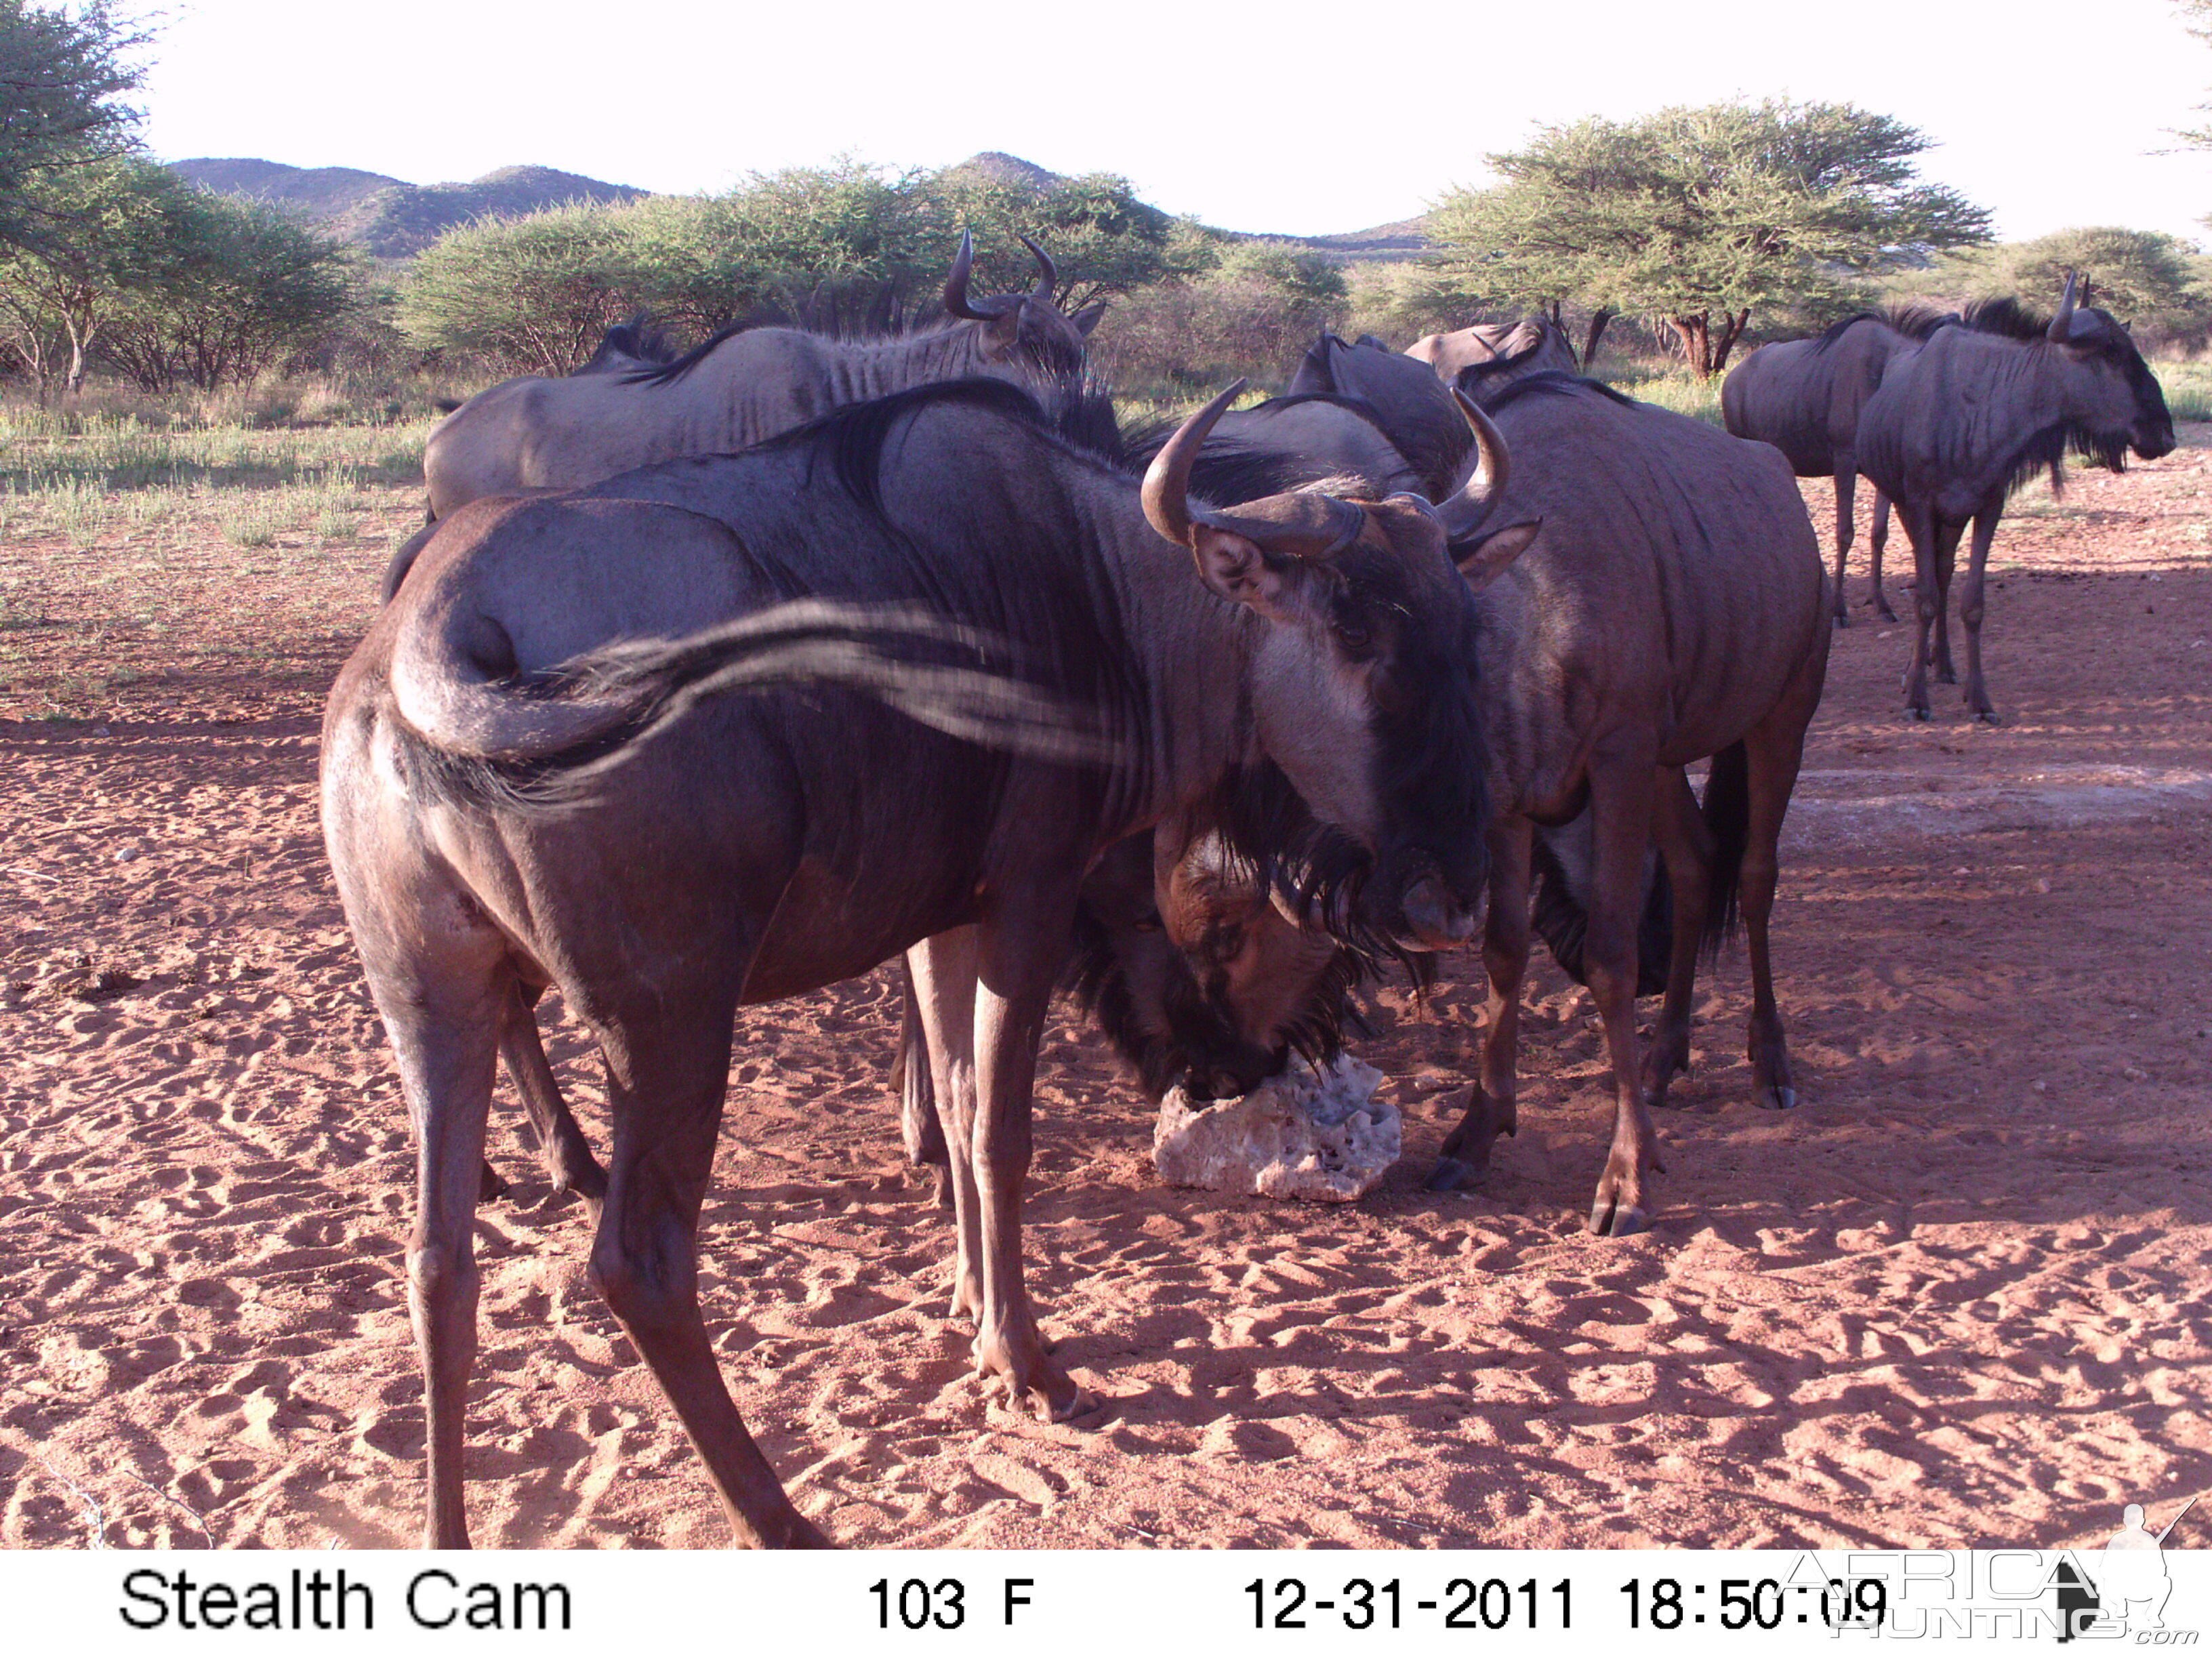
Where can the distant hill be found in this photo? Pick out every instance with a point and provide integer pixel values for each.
(389, 217)
(394, 220)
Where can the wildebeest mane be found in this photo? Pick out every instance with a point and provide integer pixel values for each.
(638, 339)
(2008, 316)
(1556, 382)
(1913, 319)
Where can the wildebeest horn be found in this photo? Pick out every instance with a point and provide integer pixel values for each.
(2061, 325)
(1050, 279)
(1462, 514)
(955, 285)
(1167, 480)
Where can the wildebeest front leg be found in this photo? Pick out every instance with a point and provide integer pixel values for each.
(1016, 966)
(1970, 608)
(1920, 526)
(1947, 557)
(941, 972)
(1620, 802)
(1686, 845)
(1878, 539)
(666, 1077)
(1491, 1110)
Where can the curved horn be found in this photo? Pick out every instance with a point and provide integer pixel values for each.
(1167, 481)
(1049, 280)
(2061, 325)
(957, 302)
(1462, 514)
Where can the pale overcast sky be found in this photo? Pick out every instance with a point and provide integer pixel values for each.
(1268, 119)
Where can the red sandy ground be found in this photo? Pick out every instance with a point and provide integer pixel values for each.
(1959, 1297)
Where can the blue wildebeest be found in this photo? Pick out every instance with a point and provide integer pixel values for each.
(1804, 396)
(1983, 405)
(742, 385)
(513, 798)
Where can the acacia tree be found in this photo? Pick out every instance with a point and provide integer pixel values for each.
(2152, 282)
(246, 286)
(1698, 218)
(130, 231)
(529, 297)
(62, 74)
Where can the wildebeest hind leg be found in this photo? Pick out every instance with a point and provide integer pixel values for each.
(561, 1148)
(942, 978)
(1877, 539)
(666, 1076)
(911, 1076)
(1492, 1109)
(1687, 847)
(1621, 798)
(1773, 749)
(1017, 962)
(444, 1031)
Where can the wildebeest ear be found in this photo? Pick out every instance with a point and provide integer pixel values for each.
(1276, 585)
(1087, 319)
(1486, 561)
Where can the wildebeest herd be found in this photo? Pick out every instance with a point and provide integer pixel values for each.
(719, 677)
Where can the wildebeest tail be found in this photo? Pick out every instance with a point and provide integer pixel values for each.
(543, 734)
(1727, 819)
(1561, 918)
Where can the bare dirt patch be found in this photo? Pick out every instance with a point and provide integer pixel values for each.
(1958, 1297)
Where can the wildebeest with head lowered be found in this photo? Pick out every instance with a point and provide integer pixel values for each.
(1984, 405)
(1804, 396)
(739, 387)
(750, 847)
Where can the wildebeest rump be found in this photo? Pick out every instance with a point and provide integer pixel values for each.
(1410, 404)
(1983, 405)
(749, 847)
(741, 386)
(1804, 396)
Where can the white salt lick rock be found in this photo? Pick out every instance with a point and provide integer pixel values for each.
(1303, 1134)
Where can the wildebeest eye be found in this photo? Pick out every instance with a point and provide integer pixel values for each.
(1354, 635)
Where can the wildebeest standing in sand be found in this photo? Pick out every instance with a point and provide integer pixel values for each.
(1672, 607)
(742, 385)
(1983, 406)
(1804, 396)
(755, 845)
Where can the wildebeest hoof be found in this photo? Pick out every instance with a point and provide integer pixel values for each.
(1453, 1175)
(1779, 1099)
(488, 1184)
(1611, 1219)
(1918, 714)
(1842, 620)
(1987, 717)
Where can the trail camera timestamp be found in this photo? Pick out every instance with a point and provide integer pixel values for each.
(1491, 1604)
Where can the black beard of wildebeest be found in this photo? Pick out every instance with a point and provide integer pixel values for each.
(894, 683)
(1960, 422)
